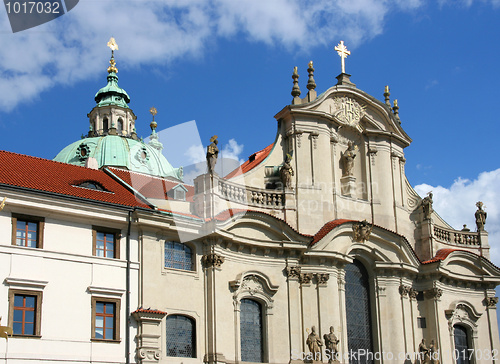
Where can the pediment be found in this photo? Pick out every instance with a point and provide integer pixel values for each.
(350, 107)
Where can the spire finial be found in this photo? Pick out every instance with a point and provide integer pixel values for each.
(311, 84)
(396, 110)
(295, 88)
(343, 53)
(153, 124)
(114, 47)
(386, 96)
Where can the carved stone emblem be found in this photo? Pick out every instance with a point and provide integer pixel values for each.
(361, 231)
(252, 285)
(293, 272)
(212, 260)
(348, 110)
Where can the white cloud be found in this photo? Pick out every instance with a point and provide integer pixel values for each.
(71, 48)
(233, 150)
(457, 204)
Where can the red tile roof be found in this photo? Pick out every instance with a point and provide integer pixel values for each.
(149, 310)
(151, 186)
(253, 161)
(329, 226)
(60, 178)
(441, 255)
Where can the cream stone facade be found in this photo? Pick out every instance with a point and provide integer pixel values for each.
(320, 229)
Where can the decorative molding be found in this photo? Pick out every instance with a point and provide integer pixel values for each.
(149, 354)
(25, 283)
(212, 260)
(115, 292)
(413, 294)
(314, 137)
(254, 285)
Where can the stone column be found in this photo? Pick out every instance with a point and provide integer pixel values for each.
(294, 314)
(212, 263)
(433, 296)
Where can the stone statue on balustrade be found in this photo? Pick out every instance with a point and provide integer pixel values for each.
(314, 344)
(286, 172)
(480, 216)
(348, 159)
(331, 342)
(212, 154)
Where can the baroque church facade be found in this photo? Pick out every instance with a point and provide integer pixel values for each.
(316, 245)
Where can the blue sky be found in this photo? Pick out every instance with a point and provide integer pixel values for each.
(227, 64)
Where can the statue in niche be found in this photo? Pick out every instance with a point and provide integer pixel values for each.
(427, 206)
(331, 342)
(480, 216)
(212, 154)
(423, 352)
(314, 344)
(348, 159)
(286, 172)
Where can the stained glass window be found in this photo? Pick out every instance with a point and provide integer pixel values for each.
(461, 345)
(178, 256)
(252, 348)
(181, 336)
(357, 301)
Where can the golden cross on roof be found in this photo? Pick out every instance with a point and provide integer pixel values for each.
(153, 112)
(112, 44)
(343, 53)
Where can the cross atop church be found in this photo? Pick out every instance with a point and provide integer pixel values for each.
(343, 53)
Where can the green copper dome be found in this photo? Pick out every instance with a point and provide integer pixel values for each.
(117, 151)
(112, 94)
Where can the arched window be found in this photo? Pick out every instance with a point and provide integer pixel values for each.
(119, 128)
(461, 345)
(178, 256)
(252, 345)
(105, 125)
(357, 301)
(181, 336)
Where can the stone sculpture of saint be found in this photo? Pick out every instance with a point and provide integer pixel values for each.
(423, 352)
(331, 342)
(212, 154)
(427, 206)
(348, 159)
(314, 344)
(286, 172)
(433, 353)
(480, 216)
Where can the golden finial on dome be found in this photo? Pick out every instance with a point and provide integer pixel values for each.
(114, 47)
(153, 112)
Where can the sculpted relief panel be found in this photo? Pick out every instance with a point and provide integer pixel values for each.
(347, 110)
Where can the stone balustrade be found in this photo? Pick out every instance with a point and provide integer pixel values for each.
(455, 237)
(251, 196)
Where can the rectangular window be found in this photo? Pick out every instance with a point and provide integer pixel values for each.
(27, 231)
(105, 319)
(25, 312)
(421, 323)
(106, 243)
